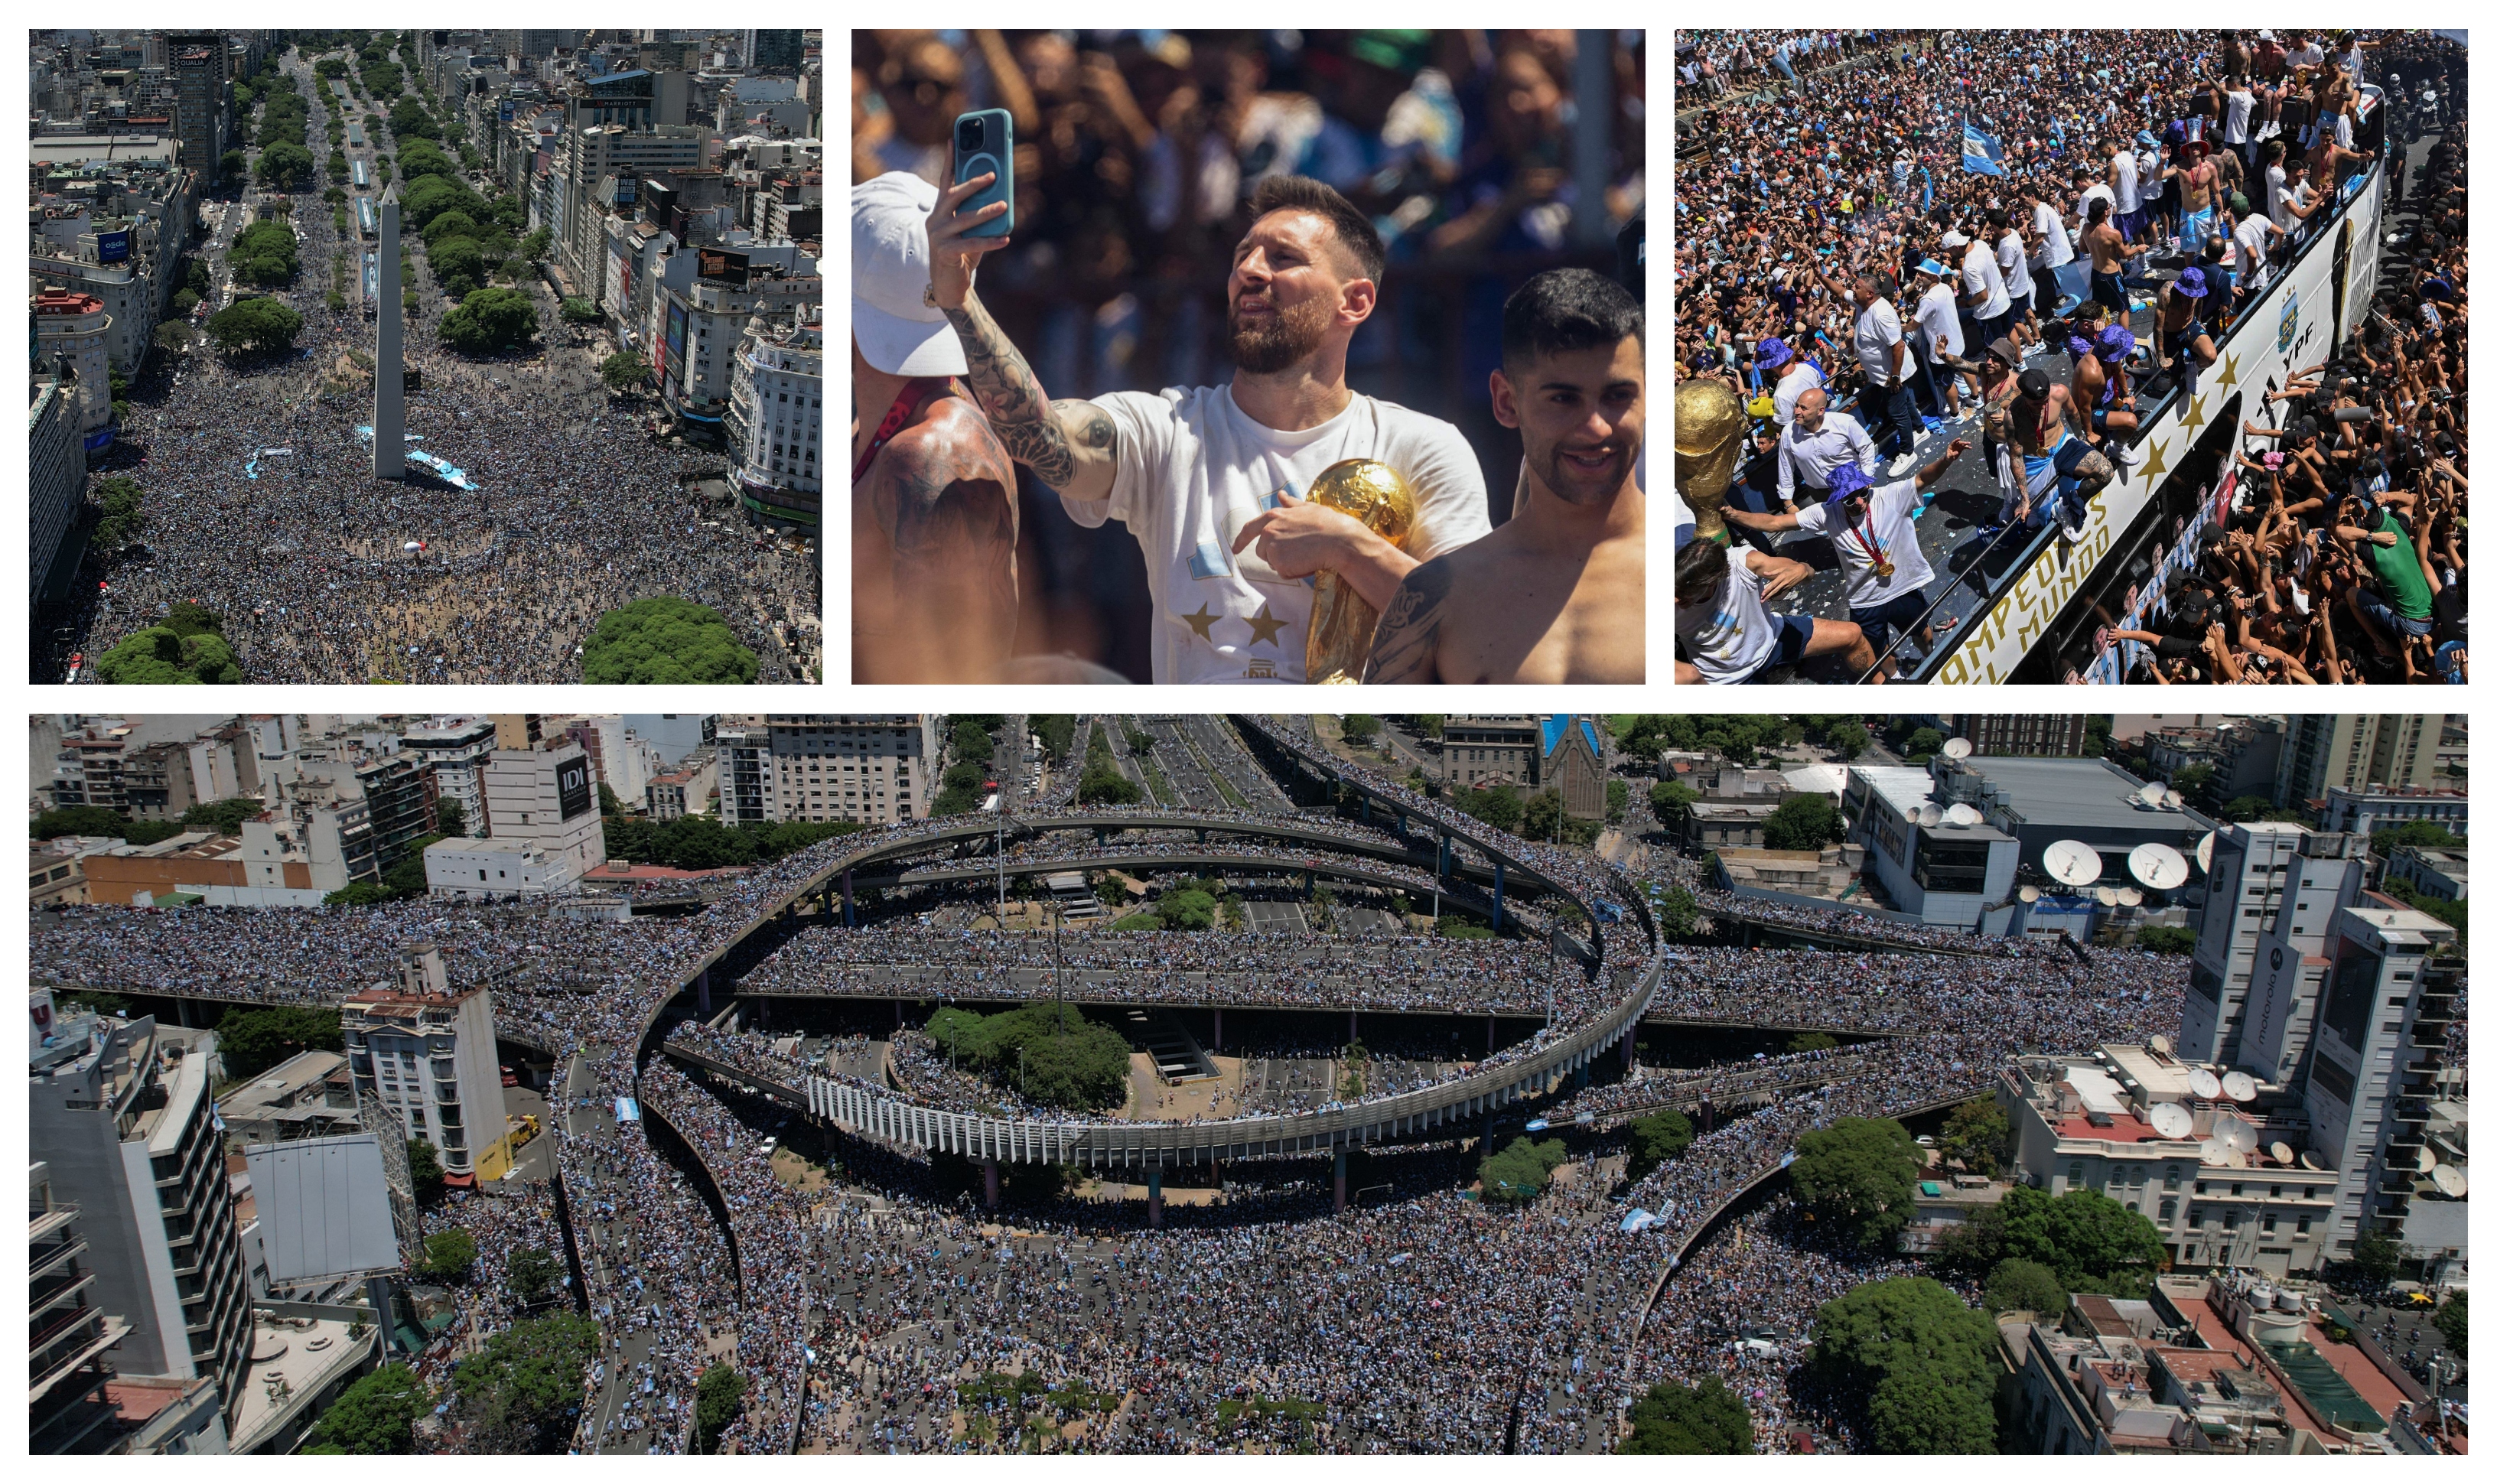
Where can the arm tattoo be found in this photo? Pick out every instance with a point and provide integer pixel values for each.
(1405, 649)
(1018, 408)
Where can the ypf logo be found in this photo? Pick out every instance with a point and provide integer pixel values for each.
(2289, 322)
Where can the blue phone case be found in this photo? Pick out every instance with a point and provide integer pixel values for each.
(997, 157)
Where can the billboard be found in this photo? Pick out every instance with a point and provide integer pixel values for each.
(675, 354)
(112, 246)
(572, 786)
(323, 1206)
(721, 263)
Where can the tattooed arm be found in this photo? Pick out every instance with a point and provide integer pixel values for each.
(1405, 649)
(1071, 446)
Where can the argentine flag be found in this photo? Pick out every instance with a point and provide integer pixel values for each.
(1978, 150)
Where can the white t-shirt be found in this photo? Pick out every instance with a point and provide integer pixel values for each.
(1938, 316)
(1193, 469)
(2128, 183)
(1730, 640)
(2241, 112)
(2013, 259)
(1876, 330)
(1981, 278)
(2275, 191)
(1894, 532)
(2057, 243)
(1790, 389)
(2102, 191)
(2253, 238)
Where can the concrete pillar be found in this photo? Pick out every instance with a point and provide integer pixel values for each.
(1491, 1036)
(1218, 1029)
(1341, 1162)
(1365, 809)
(1630, 1050)
(1154, 1198)
(897, 1015)
(849, 903)
(989, 1183)
(1498, 894)
(377, 1292)
(702, 992)
(1356, 1035)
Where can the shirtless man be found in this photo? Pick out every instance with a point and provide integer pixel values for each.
(2058, 467)
(2108, 251)
(2196, 179)
(932, 512)
(2100, 381)
(1559, 594)
(2184, 342)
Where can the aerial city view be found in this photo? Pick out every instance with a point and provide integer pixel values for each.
(915, 1084)
(2072, 356)
(426, 356)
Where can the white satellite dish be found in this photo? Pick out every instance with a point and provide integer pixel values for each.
(2306, 1159)
(2202, 850)
(2236, 1133)
(2280, 1154)
(2160, 1045)
(1961, 816)
(2071, 863)
(2206, 1086)
(2240, 1088)
(2427, 1160)
(2152, 793)
(2158, 866)
(2029, 893)
(2171, 1122)
(2106, 896)
(2214, 1152)
(2234, 1159)
(1958, 746)
(2450, 1181)
(2128, 896)
(1929, 817)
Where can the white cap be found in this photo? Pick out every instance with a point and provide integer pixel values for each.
(1954, 240)
(898, 330)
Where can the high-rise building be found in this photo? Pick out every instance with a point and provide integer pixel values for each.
(2271, 888)
(200, 66)
(2012, 736)
(67, 1364)
(544, 798)
(874, 769)
(427, 1054)
(776, 421)
(71, 330)
(455, 750)
(2322, 752)
(2378, 1048)
(771, 50)
(56, 484)
(121, 1113)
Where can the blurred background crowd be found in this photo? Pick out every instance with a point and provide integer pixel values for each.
(1484, 157)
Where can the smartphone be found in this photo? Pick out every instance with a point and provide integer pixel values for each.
(984, 141)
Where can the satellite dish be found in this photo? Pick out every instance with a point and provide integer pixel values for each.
(2028, 893)
(2236, 1133)
(2161, 1045)
(2171, 1122)
(2306, 1159)
(2202, 850)
(2206, 1086)
(2240, 1088)
(2152, 793)
(2106, 896)
(2157, 866)
(1961, 816)
(2214, 1152)
(1958, 746)
(2280, 1154)
(2234, 1159)
(2427, 1160)
(1929, 817)
(2128, 896)
(2449, 1180)
(2071, 863)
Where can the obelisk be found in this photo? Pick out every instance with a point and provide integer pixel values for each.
(389, 385)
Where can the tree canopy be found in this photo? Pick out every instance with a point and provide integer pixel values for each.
(1065, 1061)
(518, 1394)
(532, 1273)
(1658, 1138)
(377, 1414)
(96, 821)
(260, 325)
(1804, 822)
(2093, 1245)
(1924, 1361)
(665, 642)
(264, 253)
(1979, 1135)
(425, 1169)
(449, 1256)
(1859, 1174)
(159, 656)
(490, 320)
(1706, 1418)
(716, 1399)
(624, 370)
(2017, 1283)
(252, 1041)
(1518, 1172)
(285, 167)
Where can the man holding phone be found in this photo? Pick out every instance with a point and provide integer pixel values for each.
(1209, 480)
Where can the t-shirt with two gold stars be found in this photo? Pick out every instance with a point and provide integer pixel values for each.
(1193, 469)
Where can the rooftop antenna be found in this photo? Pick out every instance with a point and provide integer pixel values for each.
(2449, 1180)
(1929, 817)
(1961, 816)
(2170, 1121)
(2128, 896)
(2071, 863)
(2240, 1088)
(2158, 866)
(2106, 896)
(2029, 893)
(2152, 793)
(2159, 1045)
(1958, 748)
(2204, 1082)
(2202, 850)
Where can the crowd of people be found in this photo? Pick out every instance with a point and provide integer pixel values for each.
(1859, 287)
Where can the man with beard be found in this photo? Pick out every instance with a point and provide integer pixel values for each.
(1210, 479)
(1566, 578)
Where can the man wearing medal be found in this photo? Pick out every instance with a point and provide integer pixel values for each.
(1874, 533)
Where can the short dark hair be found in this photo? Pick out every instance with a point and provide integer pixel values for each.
(1564, 309)
(1699, 566)
(1300, 193)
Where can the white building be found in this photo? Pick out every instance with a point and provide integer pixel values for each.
(544, 798)
(427, 1054)
(871, 769)
(456, 748)
(73, 329)
(2378, 1045)
(775, 420)
(2269, 902)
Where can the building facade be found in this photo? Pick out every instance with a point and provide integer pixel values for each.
(2319, 753)
(2268, 902)
(427, 1056)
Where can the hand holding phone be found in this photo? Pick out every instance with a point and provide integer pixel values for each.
(984, 146)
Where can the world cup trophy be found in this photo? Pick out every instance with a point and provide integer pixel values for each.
(1340, 622)
(1708, 433)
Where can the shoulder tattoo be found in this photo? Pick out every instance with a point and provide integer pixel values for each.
(1405, 649)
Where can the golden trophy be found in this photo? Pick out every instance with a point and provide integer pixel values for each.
(1709, 430)
(1340, 622)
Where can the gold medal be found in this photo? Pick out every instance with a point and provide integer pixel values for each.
(1882, 569)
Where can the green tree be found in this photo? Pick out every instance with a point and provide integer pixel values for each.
(534, 247)
(665, 642)
(1518, 1172)
(1672, 799)
(2419, 833)
(490, 320)
(2198, 783)
(1103, 783)
(357, 894)
(624, 371)
(1706, 1418)
(404, 877)
(718, 1397)
(449, 1256)
(1924, 1361)
(1923, 743)
(159, 656)
(376, 1414)
(1979, 1135)
(2375, 1256)
(1658, 1138)
(2094, 1245)
(2255, 808)
(1849, 739)
(578, 311)
(1677, 917)
(95, 820)
(2454, 1322)
(1617, 799)
(223, 818)
(1859, 1174)
(232, 164)
(1192, 910)
(254, 1040)
(1812, 1040)
(1498, 806)
(532, 1273)
(425, 1170)
(517, 1393)
(1804, 822)
(2169, 940)
(451, 816)
(460, 268)
(285, 167)
(262, 326)
(125, 512)
(970, 743)
(264, 253)
(1359, 727)
(2018, 1283)
(184, 301)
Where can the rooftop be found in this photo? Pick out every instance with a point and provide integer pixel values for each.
(293, 1360)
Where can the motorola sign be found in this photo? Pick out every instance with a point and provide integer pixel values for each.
(571, 787)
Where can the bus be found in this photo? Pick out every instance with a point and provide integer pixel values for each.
(355, 136)
(365, 222)
(363, 175)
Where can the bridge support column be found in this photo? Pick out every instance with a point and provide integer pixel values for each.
(1629, 1049)
(989, 1183)
(183, 1012)
(1341, 1161)
(1218, 1029)
(897, 1015)
(1308, 883)
(1154, 1198)
(702, 991)
(1365, 809)
(849, 903)
(1356, 1033)
(1499, 893)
